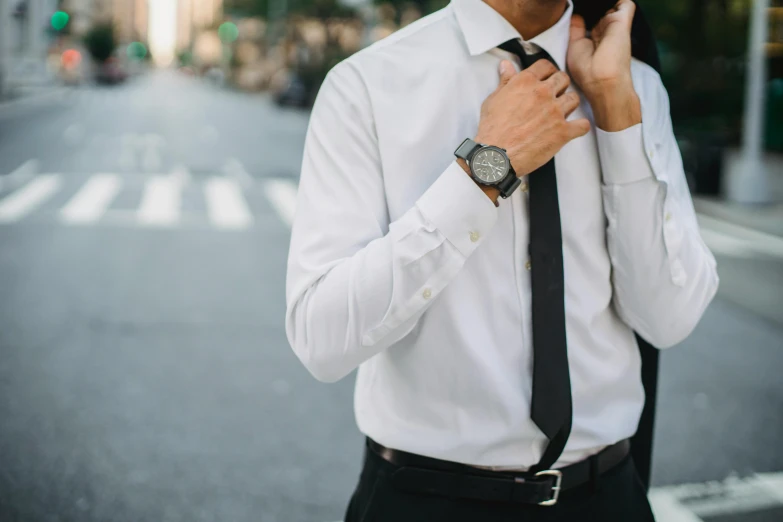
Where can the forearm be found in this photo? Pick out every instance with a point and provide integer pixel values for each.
(343, 308)
(616, 108)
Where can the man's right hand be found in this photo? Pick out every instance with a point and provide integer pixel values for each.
(526, 115)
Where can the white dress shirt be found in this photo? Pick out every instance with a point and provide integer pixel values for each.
(401, 266)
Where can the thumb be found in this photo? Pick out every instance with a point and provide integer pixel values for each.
(507, 71)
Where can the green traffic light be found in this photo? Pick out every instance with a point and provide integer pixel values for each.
(60, 20)
(137, 51)
(228, 32)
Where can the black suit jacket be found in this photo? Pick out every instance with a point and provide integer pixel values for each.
(645, 49)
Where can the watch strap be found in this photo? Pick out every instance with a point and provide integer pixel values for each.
(509, 184)
(467, 149)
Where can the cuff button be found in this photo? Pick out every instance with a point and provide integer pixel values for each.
(475, 236)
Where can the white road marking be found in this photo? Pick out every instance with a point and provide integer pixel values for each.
(226, 205)
(234, 168)
(27, 198)
(19, 175)
(737, 240)
(667, 508)
(92, 200)
(161, 202)
(772, 483)
(693, 502)
(282, 196)
(723, 244)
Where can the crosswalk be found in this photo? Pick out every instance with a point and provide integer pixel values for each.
(151, 201)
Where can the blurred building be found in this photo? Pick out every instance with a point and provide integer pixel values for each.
(194, 17)
(24, 40)
(130, 17)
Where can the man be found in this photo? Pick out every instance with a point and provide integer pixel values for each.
(490, 300)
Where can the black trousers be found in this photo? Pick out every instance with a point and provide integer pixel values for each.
(616, 496)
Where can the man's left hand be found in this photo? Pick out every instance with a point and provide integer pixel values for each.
(601, 66)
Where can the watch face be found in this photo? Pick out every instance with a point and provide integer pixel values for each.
(489, 165)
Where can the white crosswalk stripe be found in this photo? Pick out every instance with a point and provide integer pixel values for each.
(27, 198)
(91, 202)
(282, 195)
(226, 205)
(161, 203)
(176, 200)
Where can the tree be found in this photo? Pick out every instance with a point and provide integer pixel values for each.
(100, 41)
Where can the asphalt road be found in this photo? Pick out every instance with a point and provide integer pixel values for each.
(144, 370)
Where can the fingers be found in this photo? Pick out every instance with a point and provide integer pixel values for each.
(625, 5)
(577, 128)
(558, 83)
(568, 103)
(626, 8)
(542, 69)
(507, 71)
(578, 29)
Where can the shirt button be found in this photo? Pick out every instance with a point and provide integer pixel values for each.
(668, 217)
(475, 236)
(427, 293)
(524, 187)
(651, 153)
(528, 265)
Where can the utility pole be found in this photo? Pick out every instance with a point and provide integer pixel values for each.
(34, 29)
(277, 12)
(5, 46)
(747, 178)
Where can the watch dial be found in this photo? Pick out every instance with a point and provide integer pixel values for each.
(489, 165)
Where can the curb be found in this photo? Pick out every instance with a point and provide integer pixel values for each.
(765, 219)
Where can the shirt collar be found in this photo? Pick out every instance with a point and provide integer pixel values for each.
(484, 29)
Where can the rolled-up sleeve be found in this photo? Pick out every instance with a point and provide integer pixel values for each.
(356, 282)
(663, 274)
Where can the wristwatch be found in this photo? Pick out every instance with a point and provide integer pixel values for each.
(489, 165)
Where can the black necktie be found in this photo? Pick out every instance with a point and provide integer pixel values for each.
(551, 408)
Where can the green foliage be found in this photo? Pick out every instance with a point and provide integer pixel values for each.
(702, 44)
(100, 42)
(425, 6)
(316, 8)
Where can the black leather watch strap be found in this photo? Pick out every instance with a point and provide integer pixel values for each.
(509, 184)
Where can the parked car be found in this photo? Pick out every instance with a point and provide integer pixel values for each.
(111, 72)
(294, 93)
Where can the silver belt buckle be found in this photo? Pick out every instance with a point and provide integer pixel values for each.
(555, 488)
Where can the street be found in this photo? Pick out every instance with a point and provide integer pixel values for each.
(145, 371)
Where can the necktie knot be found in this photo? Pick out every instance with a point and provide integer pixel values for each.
(515, 47)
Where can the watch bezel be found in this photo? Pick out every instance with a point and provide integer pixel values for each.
(473, 172)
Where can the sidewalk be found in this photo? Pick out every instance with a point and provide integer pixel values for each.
(764, 218)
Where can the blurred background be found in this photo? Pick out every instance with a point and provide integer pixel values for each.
(149, 157)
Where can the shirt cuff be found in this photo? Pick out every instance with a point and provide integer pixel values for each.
(623, 159)
(458, 207)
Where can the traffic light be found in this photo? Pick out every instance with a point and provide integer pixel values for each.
(60, 20)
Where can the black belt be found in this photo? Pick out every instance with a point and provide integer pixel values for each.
(417, 473)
